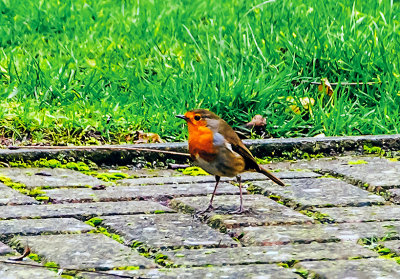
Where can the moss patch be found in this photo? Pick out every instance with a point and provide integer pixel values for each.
(370, 149)
(193, 171)
(358, 162)
(36, 192)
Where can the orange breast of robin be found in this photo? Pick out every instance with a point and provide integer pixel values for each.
(201, 143)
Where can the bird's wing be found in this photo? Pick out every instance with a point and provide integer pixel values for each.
(237, 145)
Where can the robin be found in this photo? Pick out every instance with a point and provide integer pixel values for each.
(215, 147)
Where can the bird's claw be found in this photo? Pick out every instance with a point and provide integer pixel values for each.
(208, 209)
(240, 210)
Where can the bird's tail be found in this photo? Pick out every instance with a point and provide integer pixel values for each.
(270, 176)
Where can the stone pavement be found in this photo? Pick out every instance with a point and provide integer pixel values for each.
(336, 218)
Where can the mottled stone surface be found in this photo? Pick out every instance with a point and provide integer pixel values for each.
(269, 254)
(82, 209)
(320, 192)
(139, 192)
(352, 269)
(9, 196)
(39, 226)
(261, 211)
(264, 271)
(143, 173)
(16, 270)
(4, 249)
(247, 176)
(375, 171)
(78, 251)
(363, 213)
(53, 177)
(276, 235)
(167, 230)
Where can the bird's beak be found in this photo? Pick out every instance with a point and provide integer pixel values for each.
(181, 116)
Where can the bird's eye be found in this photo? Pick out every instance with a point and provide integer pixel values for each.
(197, 117)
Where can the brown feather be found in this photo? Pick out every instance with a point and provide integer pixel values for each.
(239, 147)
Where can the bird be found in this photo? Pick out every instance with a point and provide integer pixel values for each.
(215, 147)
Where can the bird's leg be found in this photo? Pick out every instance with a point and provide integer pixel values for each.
(210, 207)
(240, 209)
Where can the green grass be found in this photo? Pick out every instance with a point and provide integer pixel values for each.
(67, 66)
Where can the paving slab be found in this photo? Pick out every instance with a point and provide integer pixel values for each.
(363, 213)
(83, 251)
(268, 254)
(352, 269)
(247, 176)
(82, 209)
(278, 235)
(9, 196)
(39, 226)
(17, 270)
(167, 231)
(139, 192)
(53, 178)
(321, 192)
(5, 249)
(264, 271)
(260, 211)
(375, 171)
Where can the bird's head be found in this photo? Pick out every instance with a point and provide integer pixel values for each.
(198, 117)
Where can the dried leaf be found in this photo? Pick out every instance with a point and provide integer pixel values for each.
(325, 86)
(142, 137)
(98, 187)
(293, 107)
(257, 121)
(26, 253)
(307, 102)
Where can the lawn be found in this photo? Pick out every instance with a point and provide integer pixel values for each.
(86, 72)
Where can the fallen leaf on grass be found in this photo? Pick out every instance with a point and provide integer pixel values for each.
(258, 124)
(142, 137)
(306, 103)
(26, 252)
(257, 121)
(325, 86)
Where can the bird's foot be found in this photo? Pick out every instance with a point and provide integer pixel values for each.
(240, 210)
(208, 209)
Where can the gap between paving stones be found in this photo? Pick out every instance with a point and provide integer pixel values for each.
(82, 211)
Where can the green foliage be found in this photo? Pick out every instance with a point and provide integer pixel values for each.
(35, 257)
(358, 162)
(52, 266)
(193, 171)
(84, 72)
(369, 149)
(112, 176)
(95, 221)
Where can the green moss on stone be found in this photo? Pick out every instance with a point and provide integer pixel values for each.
(193, 171)
(95, 221)
(358, 162)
